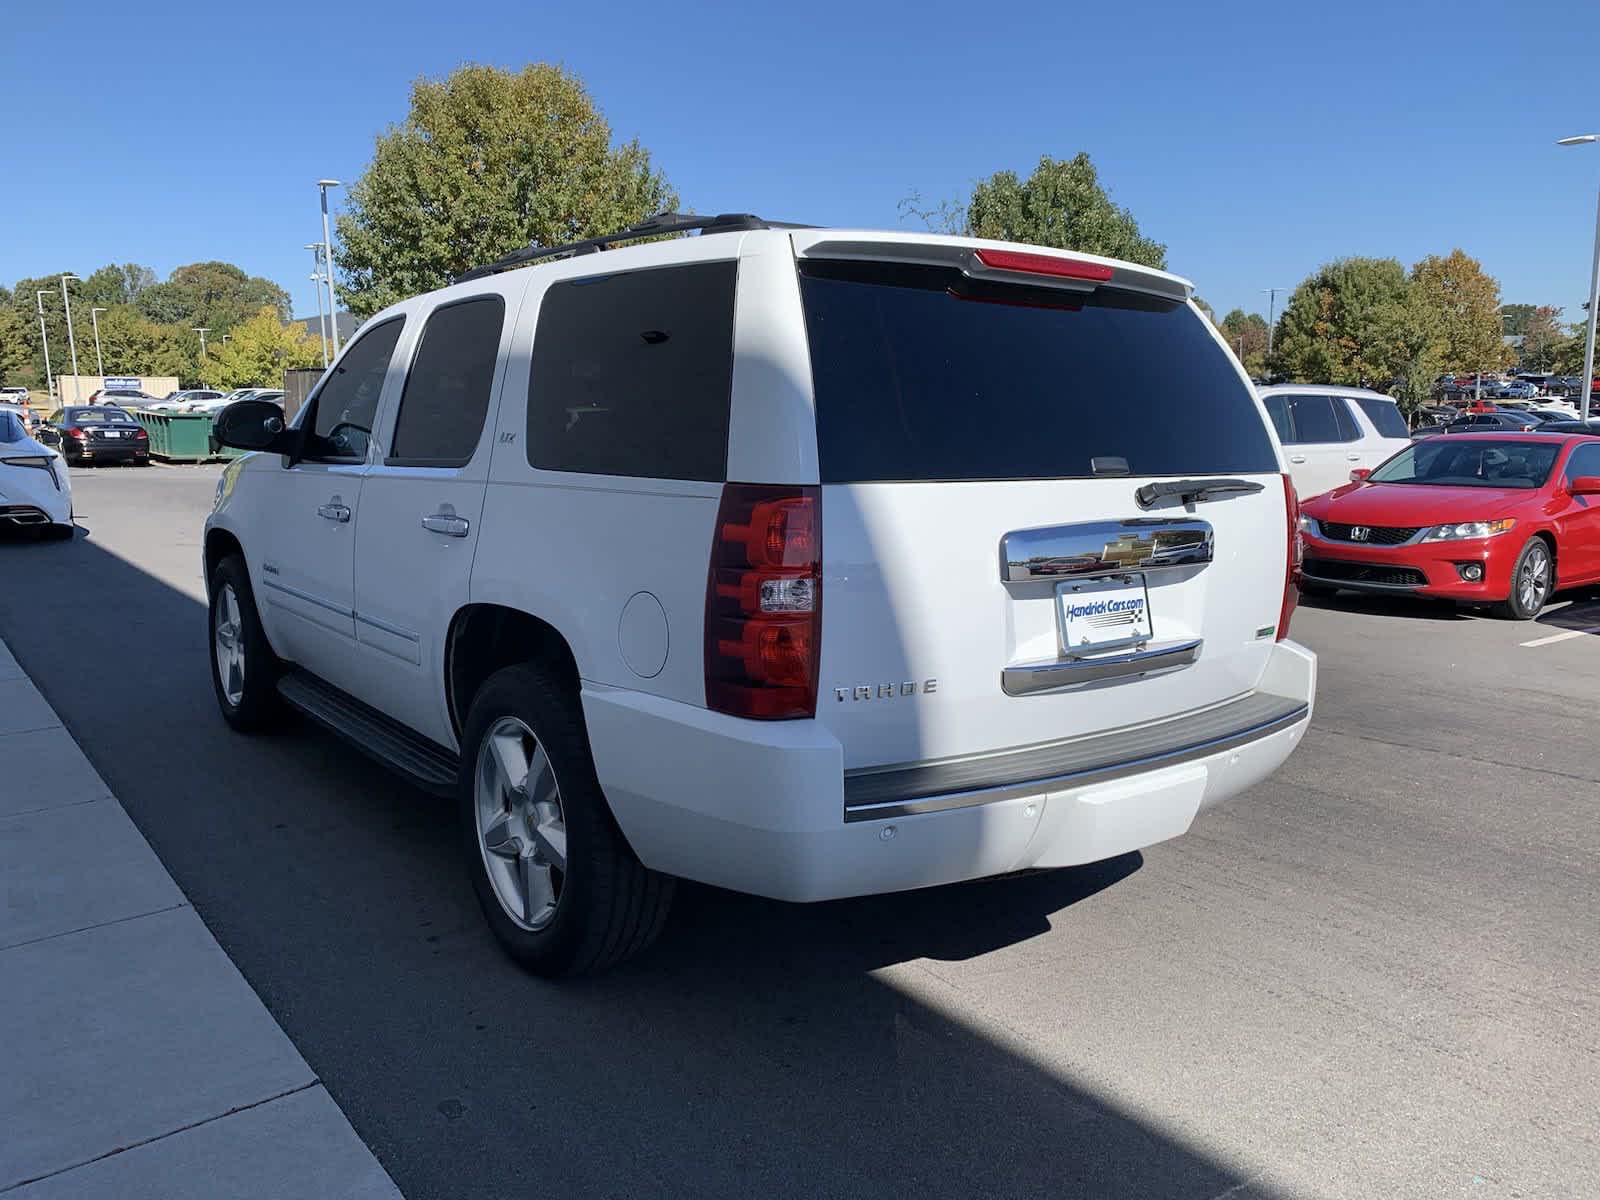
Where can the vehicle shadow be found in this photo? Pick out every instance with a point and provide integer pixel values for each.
(759, 1049)
(1417, 608)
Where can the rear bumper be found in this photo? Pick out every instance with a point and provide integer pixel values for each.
(761, 806)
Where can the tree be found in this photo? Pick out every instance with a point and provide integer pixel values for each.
(1541, 334)
(1467, 302)
(486, 162)
(259, 350)
(1211, 313)
(132, 344)
(15, 355)
(217, 295)
(1061, 204)
(1361, 322)
(1514, 318)
(1246, 333)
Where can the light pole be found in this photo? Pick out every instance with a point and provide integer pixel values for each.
(202, 331)
(99, 363)
(1594, 284)
(316, 278)
(72, 342)
(49, 379)
(1272, 313)
(327, 254)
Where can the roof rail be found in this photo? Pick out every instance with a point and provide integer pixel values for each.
(657, 226)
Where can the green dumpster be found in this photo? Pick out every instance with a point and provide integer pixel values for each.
(177, 437)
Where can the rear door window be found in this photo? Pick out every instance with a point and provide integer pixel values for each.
(920, 374)
(1385, 417)
(446, 397)
(632, 374)
(1278, 410)
(1315, 419)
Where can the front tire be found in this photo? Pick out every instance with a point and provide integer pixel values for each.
(1532, 580)
(244, 670)
(555, 878)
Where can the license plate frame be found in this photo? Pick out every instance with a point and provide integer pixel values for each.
(1083, 634)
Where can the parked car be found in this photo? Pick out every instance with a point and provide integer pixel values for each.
(1479, 519)
(222, 402)
(1514, 389)
(1571, 425)
(1328, 431)
(1479, 422)
(181, 400)
(18, 396)
(709, 529)
(35, 489)
(123, 397)
(97, 433)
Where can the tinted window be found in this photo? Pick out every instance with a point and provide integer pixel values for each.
(1278, 410)
(1585, 460)
(1349, 427)
(1315, 419)
(1385, 417)
(917, 378)
(99, 415)
(631, 374)
(348, 399)
(1471, 462)
(10, 428)
(446, 395)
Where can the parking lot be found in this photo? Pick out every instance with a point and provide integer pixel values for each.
(1375, 975)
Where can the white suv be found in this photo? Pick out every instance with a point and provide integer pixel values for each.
(797, 561)
(1328, 432)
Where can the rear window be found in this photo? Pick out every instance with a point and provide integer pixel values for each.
(632, 374)
(99, 415)
(10, 428)
(1384, 415)
(916, 382)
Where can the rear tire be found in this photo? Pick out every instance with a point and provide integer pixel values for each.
(244, 670)
(1532, 580)
(556, 880)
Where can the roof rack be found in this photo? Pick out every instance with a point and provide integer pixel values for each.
(657, 226)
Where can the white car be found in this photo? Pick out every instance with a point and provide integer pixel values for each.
(1328, 432)
(804, 562)
(35, 486)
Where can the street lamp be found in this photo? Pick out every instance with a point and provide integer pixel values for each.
(72, 342)
(316, 278)
(202, 331)
(1594, 283)
(327, 253)
(99, 363)
(1272, 313)
(49, 380)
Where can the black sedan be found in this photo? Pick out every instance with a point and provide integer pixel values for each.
(1504, 420)
(97, 433)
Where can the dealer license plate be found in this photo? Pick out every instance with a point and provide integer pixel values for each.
(1103, 614)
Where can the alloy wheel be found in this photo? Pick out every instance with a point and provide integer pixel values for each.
(1533, 579)
(522, 830)
(228, 634)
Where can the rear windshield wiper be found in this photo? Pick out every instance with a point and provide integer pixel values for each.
(1192, 490)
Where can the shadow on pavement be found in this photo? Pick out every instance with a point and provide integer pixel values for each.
(1417, 608)
(760, 1049)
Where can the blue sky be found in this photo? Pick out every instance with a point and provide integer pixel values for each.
(1256, 141)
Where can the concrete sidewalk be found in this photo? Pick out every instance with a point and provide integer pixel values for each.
(135, 1061)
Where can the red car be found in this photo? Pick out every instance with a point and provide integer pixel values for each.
(1480, 518)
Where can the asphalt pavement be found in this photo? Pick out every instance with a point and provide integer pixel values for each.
(1374, 975)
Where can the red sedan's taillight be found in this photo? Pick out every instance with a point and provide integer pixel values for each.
(763, 636)
(1291, 568)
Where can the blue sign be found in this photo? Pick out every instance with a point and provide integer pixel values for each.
(123, 383)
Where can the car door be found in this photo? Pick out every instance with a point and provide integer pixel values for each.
(306, 583)
(1321, 449)
(1578, 519)
(421, 503)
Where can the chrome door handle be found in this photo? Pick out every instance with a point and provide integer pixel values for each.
(1297, 458)
(446, 523)
(1353, 457)
(334, 512)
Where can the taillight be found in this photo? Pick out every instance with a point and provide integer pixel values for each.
(1291, 568)
(140, 435)
(74, 432)
(764, 602)
(1043, 264)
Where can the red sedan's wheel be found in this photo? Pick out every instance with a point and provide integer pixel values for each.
(1532, 581)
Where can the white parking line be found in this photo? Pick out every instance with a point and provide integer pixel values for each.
(1561, 637)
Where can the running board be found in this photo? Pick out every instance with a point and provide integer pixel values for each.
(423, 763)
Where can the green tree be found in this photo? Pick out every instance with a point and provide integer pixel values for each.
(1061, 204)
(1514, 318)
(259, 350)
(486, 162)
(1541, 334)
(1566, 356)
(217, 295)
(1467, 302)
(132, 344)
(1360, 322)
(1246, 333)
(15, 354)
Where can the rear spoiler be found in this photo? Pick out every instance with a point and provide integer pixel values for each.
(995, 262)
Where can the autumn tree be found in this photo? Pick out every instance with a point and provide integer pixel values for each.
(1467, 304)
(1541, 334)
(1514, 318)
(1246, 333)
(259, 351)
(1060, 204)
(486, 162)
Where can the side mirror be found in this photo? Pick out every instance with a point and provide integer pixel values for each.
(1359, 474)
(1585, 485)
(254, 425)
